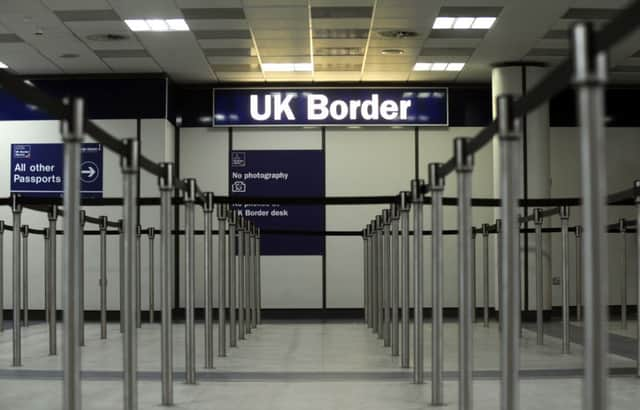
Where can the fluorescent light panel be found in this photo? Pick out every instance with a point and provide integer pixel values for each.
(463, 23)
(157, 25)
(438, 66)
(3, 66)
(287, 67)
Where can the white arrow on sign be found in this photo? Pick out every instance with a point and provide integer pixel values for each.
(89, 172)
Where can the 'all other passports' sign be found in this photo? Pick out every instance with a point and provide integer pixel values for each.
(38, 169)
(355, 106)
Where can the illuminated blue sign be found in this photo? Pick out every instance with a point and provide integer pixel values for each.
(357, 106)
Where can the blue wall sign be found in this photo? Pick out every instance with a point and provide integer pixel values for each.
(37, 170)
(357, 106)
(288, 173)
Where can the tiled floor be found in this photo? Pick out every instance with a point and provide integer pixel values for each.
(298, 366)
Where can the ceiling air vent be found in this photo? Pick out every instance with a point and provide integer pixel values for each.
(108, 37)
(397, 34)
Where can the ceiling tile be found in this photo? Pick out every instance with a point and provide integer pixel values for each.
(194, 4)
(589, 14)
(320, 43)
(87, 15)
(226, 43)
(230, 76)
(277, 13)
(461, 11)
(222, 34)
(338, 60)
(335, 76)
(340, 33)
(337, 67)
(333, 24)
(229, 52)
(548, 52)
(280, 34)
(447, 51)
(387, 67)
(77, 4)
(121, 53)
(338, 51)
(133, 65)
(10, 38)
(286, 59)
(204, 25)
(236, 67)
(341, 12)
(225, 13)
(384, 76)
(278, 52)
(471, 33)
(215, 60)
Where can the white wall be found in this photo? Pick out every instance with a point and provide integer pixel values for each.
(358, 162)
(153, 134)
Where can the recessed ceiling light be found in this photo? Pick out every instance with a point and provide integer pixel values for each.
(3, 66)
(483, 22)
(392, 51)
(287, 67)
(438, 66)
(422, 67)
(455, 66)
(137, 25)
(160, 25)
(443, 23)
(463, 23)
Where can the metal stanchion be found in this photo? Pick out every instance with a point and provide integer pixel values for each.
(406, 277)
(386, 275)
(138, 274)
(365, 269)
(485, 274)
(46, 238)
(222, 278)
(207, 209)
(166, 186)
(2, 275)
(589, 80)
(373, 238)
(436, 186)
(537, 217)
(418, 280)
(510, 255)
(51, 281)
(241, 259)
(258, 280)
(25, 275)
(190, 287)
(103, 277)
(395, 278)
(81, 273)
(579, 273)
(464, 167)
(72, 136)
(636, 186)
(380, 274)
(248, 268)
(130, 222)
(499, 269)
(368, 279)
(564, 228)
(122, 251)
(625, 274)
(233, 328)
(473, 274)
(151, 234)
(254, 320)
(17, 336)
